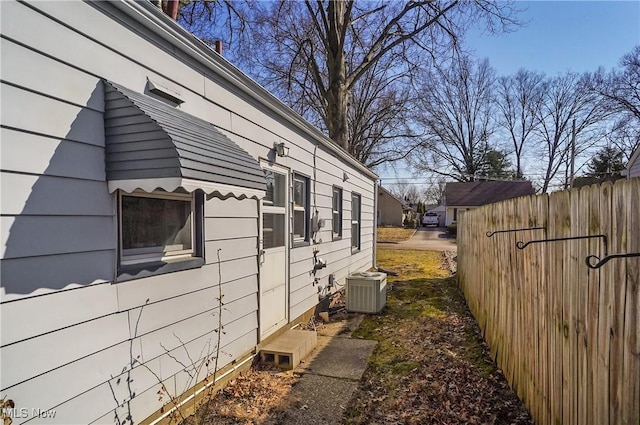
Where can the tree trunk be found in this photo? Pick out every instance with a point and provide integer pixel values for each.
(337, 104)
(337, 92)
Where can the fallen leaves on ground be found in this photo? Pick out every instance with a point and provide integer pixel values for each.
(431, 365)
(257, 396)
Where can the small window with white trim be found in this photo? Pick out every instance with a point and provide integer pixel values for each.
(337, 212)
(301, 213)
(356, 224)
(159, 227)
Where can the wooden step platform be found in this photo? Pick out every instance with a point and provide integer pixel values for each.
(288, 349)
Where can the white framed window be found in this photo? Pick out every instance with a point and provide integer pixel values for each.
(301, 213)
(274, 210)
(337, 212)
(356, 224)
(158, 227)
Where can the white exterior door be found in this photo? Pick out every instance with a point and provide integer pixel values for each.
(274, 251)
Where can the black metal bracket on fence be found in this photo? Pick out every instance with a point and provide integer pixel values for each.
(489, 234)
(602, 261)
(523, 245)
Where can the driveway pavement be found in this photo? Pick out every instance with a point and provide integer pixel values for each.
(427, 239)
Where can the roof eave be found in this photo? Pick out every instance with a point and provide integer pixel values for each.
(633, 159)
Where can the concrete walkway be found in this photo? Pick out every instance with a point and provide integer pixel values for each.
(425, 239)
(330, 375)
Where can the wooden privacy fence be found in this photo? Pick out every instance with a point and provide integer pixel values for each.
(566, 336)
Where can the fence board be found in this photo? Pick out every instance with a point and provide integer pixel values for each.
(544, 335)
(593, 295)
(529, 303)
(603, 225)
(631, 361)
(582, 272)
(618, 244)
(565, 336)
(557, 249)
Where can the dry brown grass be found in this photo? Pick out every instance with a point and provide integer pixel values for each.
(393, 234)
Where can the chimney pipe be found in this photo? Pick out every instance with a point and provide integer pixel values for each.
(218, 46)
(172, 9)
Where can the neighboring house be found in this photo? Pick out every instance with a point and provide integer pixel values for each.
(633, 168)
(468, 195)
(141, 174)
(391, 210)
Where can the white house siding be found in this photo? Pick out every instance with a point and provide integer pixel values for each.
(338, 254)
(69, 332)
(634, 169)
(450, 213)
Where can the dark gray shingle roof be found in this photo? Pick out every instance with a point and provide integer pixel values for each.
(485, 192)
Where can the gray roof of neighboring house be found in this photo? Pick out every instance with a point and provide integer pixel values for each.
(148, 139)
(485, 192)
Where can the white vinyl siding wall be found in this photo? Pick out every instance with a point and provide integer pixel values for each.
(634, 170)
(61, 315)
(453, 216)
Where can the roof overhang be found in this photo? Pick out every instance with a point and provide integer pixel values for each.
(151, 145)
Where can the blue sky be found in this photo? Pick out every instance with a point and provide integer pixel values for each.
(563, 35)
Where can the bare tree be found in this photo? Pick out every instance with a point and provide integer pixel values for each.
(567, 98)
(519, 98)
(324, 48)
(457, 117)
(211, 20)
(621, 89)
(406, 192)
(622, 86)
(315, 56)
(380, 115)
(625, 135)
(434, 194)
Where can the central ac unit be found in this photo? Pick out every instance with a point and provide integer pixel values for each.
(366, 292)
